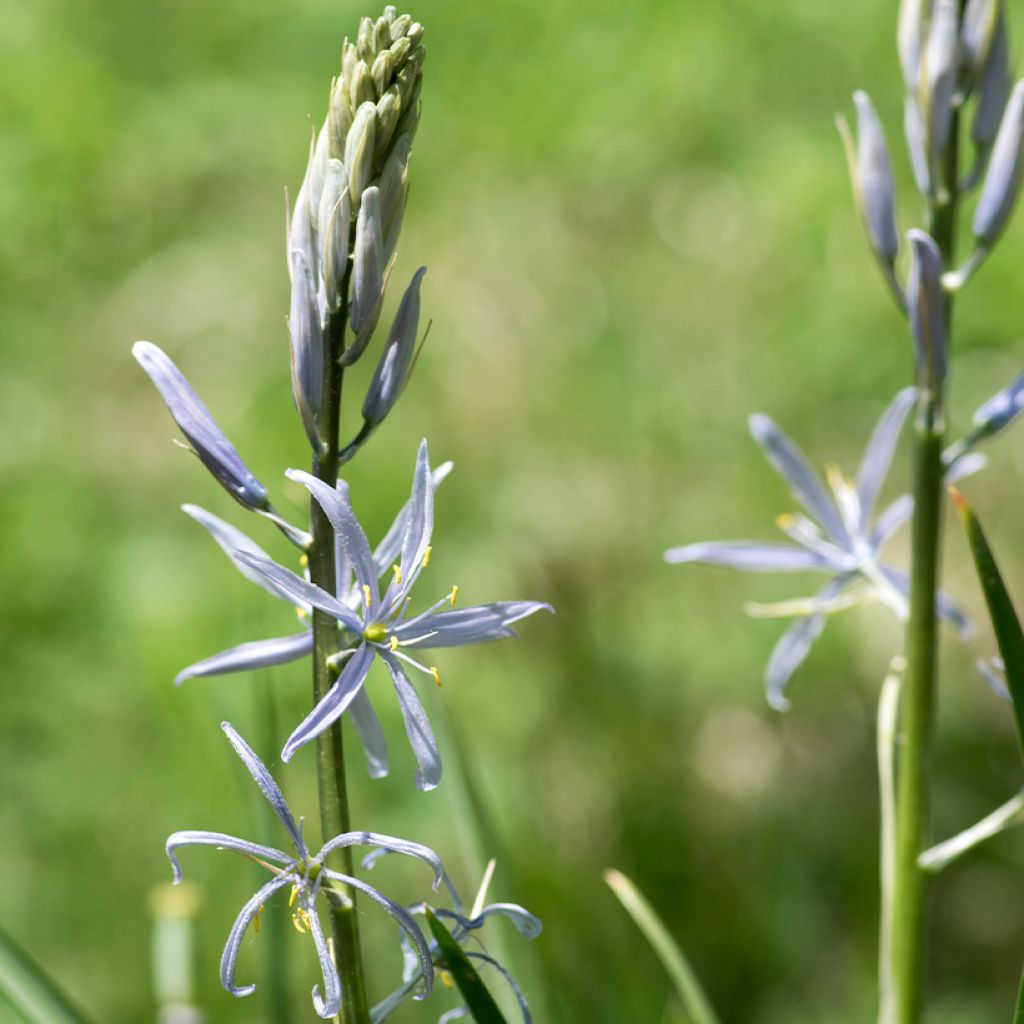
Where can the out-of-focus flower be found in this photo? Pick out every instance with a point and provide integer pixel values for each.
(839, 536)
(309, 877)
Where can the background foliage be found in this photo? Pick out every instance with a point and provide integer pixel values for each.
(638, 228)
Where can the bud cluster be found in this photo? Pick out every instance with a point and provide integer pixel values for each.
(344, 228)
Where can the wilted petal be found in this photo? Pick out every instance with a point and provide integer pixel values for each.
(333, 704)
(752, 556)
(462, 626)
(878, 456)
(268, 787)
(875, 181)
(248, 656)
(926, 307)
(367, 726)
(207, 439)
(417, 727)
(200, 837)
(328, 1004)
(346, 528)
(401, 915)
(232, 947)
(804, 484)
(795, 644)
(1002, 179)
(232, 541)
(392, 373)
(303, 591)
(390, 548)
(391, 844)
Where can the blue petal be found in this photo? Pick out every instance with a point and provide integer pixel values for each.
(752, 556)
(879, 452)
(945, 607)
(804, 483)
(389, 844)
(328, 1004)
(207, 439)
(367, 726)
(232, 947)
(389, 549)
(200, 837)
(462, 626)
(248, 656)
(503, 971)
(333, 704)
(417, 727)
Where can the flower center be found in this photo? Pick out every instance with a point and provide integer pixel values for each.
(375, 632)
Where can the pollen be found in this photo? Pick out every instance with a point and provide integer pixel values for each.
(256, 921)
(446, 979)
(366, 594)
(393, 643)
(294, 896)
(300, 921)
(426, 556)
(834, 475)
(304, 561)
(435, 674)
(397, 570)
(785, 521)
(300, 613)
(375, 632)
(454, 595)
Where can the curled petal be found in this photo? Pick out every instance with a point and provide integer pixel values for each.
(207, 439)
(229, 957)
(789, 462)
(198, 837)
(268, 787)
(303, 591)
(752, 556)
(328, 1004)
(417, 727)
(346, 527)
(474, 625)
(246, 657)
(390, 844)
(333, 704)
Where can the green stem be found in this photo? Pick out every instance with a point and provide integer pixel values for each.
(330, 760)
(919, 696)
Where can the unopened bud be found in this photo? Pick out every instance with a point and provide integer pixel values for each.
(381, 71)
(360, 88)
(333, 231)
(1000, 410)
(359, 149)
(389, 110)
(913, 130)
(339, 118)
(909, 30)
(400, 50)
(942, 69)
(396, 361)
(367, 264)
(926, 307)
(1002, 179)
(993, 89)
(382, 33)
(364, 41)
(307, 347)
(977, 31)
(873, 181)
(400, 26)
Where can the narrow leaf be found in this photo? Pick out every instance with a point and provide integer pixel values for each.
(1018, 1017)
(479, 1000)
(1009, 635)
(695, 1001)
(31, 991)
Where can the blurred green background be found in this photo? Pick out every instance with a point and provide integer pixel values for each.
(638, 228)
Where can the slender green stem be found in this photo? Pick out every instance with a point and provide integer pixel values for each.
(919, 696)
(888, 716)
(330, 760)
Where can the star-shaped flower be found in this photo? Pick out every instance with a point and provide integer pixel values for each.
(838, 536)
(309, 877)
(374, 618)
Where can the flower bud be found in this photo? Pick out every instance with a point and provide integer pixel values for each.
(348, 60)
(1002, 179)
(1000, 410)
(993, 89)
(359, 150)
(339, 118)
(942, 68)
(400, 50)
(361, 85)
(400, 26)
(389, 110)
(333, 230)
(926, 307)
(317, 169)
(913, 130)
(977, 32)
(382, 33)
(368, 264)
(307, 347)
(381, 71)
(215, 451)
(393, 179)
(364, 41)
(873, 181)
(396, 361)
(908, 40)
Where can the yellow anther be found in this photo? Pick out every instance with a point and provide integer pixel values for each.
(454, 595)
(366, 594)
(426, 556)
(300, 613)
(834, 475)
(393, 643)
(435, 674)
(304, 561)
(294, 895)
(375, 632)
(446, 979)
(785, 521)
(300, 920)
(397, 570)
(297, 924)
(256, 921)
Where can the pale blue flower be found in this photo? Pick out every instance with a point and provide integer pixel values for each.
(309, 877)
(375, 619)
(840, 537)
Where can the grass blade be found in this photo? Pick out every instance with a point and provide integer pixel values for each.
(695, 1002)
(1009, 635)
(31, 991)
(479, 1000)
